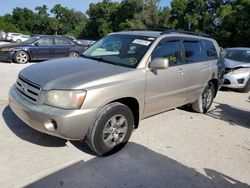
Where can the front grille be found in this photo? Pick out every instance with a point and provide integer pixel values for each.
(28, 89)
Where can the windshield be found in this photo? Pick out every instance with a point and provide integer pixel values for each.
(238, 55)
(123, 50)
(31, 40)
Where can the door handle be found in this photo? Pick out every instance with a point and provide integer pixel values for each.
(180, 71)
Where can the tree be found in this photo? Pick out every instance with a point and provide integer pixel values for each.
(101, 15)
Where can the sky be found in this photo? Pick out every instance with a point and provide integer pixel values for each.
(6, 6)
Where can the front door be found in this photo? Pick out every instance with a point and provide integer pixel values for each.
(165, 88)
(44, 48)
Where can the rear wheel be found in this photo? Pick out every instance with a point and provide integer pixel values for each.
(73, 54)
(21, 57)
(111, 130)
(246, 89)
(205, 100)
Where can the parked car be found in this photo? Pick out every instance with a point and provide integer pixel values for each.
(19, 38)
(101, 96)
(9, 36)
(40, 48)
(2, 36)
(237, 72)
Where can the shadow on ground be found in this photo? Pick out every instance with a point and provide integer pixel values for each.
(231, 114)
(26, 133)
(135, 166)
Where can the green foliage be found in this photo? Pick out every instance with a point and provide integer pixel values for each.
(226, 20)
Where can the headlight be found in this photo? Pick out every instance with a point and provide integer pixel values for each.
(6, 49)
(70, 100)
(240, 70)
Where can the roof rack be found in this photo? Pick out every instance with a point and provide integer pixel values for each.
(169, 31)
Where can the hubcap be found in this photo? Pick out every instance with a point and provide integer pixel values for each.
(73, 54)
(22, 57)
(115, 130)
(207, 97)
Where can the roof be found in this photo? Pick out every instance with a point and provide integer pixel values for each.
(142, 33)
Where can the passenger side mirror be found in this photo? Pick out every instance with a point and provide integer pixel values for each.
(159, 63)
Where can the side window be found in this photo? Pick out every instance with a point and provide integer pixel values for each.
(193, 51)
(62, 41)
(210, 51)
(170, 50)
(45, 41)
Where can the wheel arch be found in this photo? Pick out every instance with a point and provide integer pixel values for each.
(133, 105)
(215, 82)
(30, 56)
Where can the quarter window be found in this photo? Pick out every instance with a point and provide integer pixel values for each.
(193, 51)
(170, 50)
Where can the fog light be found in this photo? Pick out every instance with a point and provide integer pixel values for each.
(50, 125)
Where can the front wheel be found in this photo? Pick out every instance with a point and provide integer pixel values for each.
(205, 100)
(111, 130)
(21, 57)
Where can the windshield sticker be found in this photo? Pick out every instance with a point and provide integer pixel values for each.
(248, 52)
(141, 42)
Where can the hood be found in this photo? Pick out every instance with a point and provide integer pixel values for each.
(233, 64)
(69, 73)
(14, 45)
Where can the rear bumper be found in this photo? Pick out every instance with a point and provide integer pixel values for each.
(71, 124)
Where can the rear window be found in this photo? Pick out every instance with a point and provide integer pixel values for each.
(193, 51)
(238, 55)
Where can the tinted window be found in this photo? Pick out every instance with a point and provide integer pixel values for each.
(62, 42)
(170, 50)
(210, 51)
(45, 41)
(193, 51)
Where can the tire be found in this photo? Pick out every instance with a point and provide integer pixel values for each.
(73, 54)
(205, 100)
(111, 130)
(21, 57)
(246, 89)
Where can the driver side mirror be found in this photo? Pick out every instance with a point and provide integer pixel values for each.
(159, 63)
(36, 44)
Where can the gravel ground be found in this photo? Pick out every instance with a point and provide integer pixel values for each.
(178, 148)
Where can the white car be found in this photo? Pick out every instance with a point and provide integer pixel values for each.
(9, 36)
(237, 69)
(19, 38)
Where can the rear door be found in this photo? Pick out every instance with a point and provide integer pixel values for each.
(197, 68)
(165, 88)
(62, 47)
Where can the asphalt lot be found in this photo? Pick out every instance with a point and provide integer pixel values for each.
(178, 148)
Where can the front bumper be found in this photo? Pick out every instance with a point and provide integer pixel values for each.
(6, 56)
(71, 124)
(236, 81)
